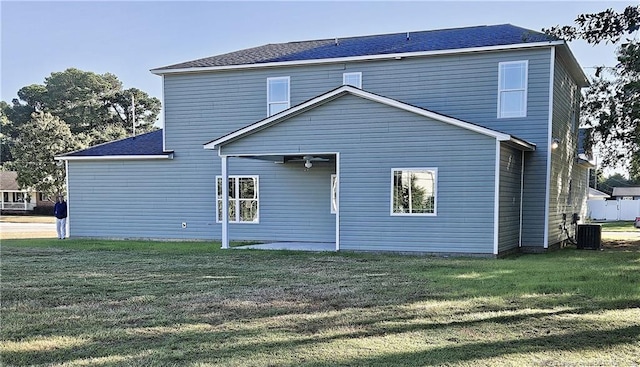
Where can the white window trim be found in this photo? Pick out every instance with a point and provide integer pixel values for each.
(359, 74)
(525, 89)
(435, 193)
(236, 220)
(334, 193)
(270, 102)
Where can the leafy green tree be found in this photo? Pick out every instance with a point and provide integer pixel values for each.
(146, 109)
(612, 104)
(6, 134)
(81, 109)
(38, 142)
(89, 103)
(11, 117)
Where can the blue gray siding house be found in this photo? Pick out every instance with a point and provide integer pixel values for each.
(433, 142)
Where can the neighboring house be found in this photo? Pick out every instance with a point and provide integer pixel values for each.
(599, 207)
(13, 199)
(626, 193)
(625, 205)
(457, 141)
(597, 194)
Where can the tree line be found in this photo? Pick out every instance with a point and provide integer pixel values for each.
(71, 110)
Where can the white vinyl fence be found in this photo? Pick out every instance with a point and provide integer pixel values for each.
(614, 209)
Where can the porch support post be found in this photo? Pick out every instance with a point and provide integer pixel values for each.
(225, 202)
(337, 201)
(496, 201)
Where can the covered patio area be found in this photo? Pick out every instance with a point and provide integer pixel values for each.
(311, 208)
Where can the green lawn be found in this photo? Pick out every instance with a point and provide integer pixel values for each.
(110, 303)
(619, 226)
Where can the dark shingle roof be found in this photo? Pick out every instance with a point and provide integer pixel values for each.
(140, 145)
(435, 40)
(9, 181)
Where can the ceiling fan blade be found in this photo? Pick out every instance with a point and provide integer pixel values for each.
(309, 158)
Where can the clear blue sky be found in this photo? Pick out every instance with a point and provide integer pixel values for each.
(129, 38)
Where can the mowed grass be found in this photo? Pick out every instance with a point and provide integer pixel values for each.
(112, 303)
(618, 226)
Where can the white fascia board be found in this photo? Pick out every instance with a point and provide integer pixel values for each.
(363, 94)
(522, 144)
(286, 154)
(114, 157)
(165, 71)
(574, 65)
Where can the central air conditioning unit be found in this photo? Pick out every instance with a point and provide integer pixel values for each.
(589, 236)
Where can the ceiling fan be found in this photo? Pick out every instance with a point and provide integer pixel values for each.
(308, 159)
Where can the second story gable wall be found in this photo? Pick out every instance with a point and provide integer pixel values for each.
(200, 107)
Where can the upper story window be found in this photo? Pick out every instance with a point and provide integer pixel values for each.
(413, 191)
(277, 94)
(512, 89)
(354, 79)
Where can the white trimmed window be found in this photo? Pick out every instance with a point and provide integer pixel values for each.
(334, 194)
(277, 94)
(354, 79)
(512, 89)
(413, 191)
(243, 199)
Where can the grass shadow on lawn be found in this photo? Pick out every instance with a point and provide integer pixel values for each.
(65, 302)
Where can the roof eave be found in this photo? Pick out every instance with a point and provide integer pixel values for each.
(518, 143)
(584, 161)
(166, 71)
(168, 155)
(574, 67)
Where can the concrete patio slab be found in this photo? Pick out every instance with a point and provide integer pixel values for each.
(292, 246)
